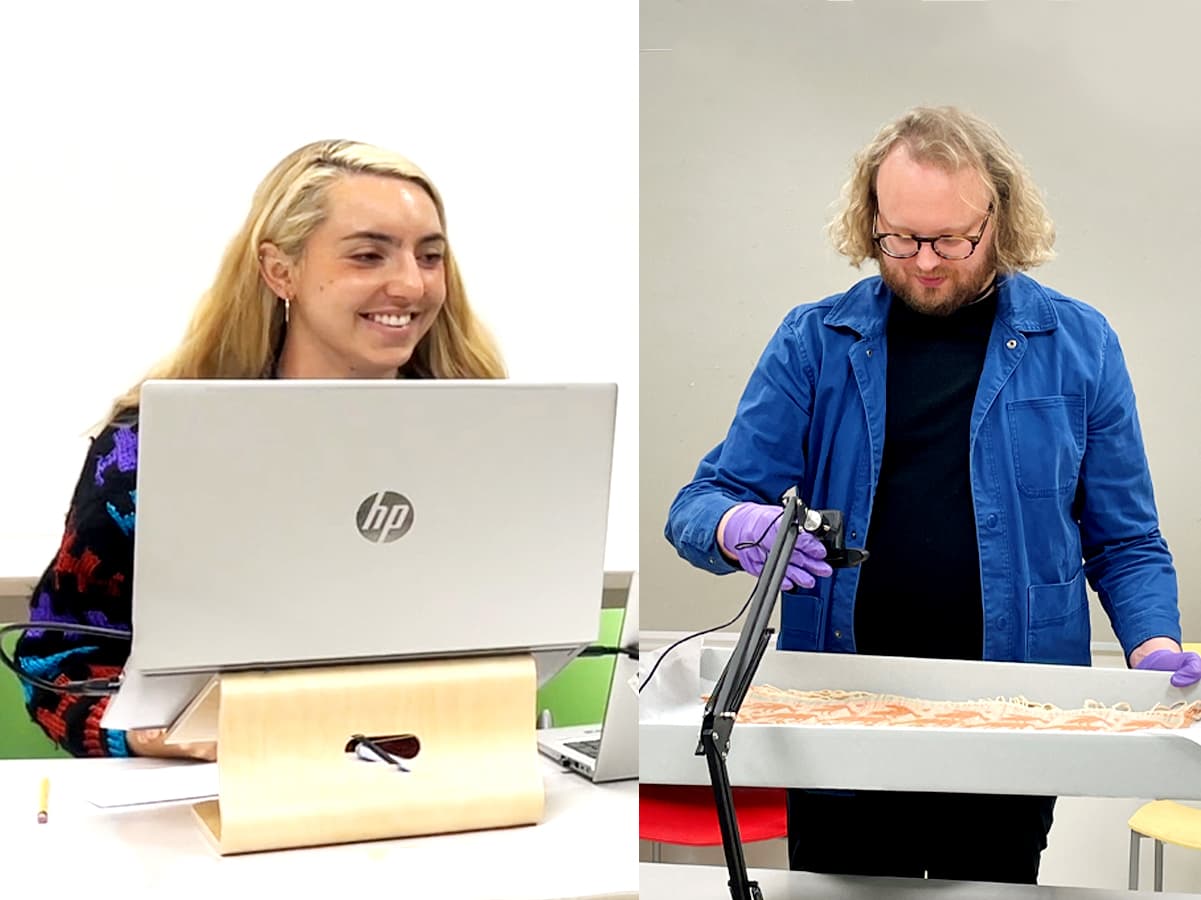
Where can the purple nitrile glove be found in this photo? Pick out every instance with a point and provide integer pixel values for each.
(750, 533)
(1185, 666)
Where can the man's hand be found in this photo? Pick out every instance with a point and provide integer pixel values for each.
(746, 533)
(150, 742)
(1164, 655)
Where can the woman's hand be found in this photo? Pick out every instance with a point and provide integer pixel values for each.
(150, 742)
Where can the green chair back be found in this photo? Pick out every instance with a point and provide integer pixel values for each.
(577, 695)
(20, 736)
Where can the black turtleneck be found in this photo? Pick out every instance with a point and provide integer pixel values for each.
(919, 592)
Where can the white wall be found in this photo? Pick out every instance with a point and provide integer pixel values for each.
(134, 136)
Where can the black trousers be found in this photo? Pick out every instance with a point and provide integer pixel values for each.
(967, 837)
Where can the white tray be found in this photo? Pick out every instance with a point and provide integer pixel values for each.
(1143, 765)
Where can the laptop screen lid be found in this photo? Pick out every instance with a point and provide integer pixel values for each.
(608, 750)
(617, 757)
(297, 522)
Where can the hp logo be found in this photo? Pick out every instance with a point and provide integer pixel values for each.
(384, 517)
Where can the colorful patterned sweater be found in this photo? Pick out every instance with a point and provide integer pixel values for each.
(89, 582)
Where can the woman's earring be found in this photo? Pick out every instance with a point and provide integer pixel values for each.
(287, 309)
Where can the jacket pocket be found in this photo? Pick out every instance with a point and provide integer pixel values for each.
(1059, 630)
(801, 622)
(1047, 434)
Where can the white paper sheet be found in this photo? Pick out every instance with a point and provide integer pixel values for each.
(184, 781)
(673, 693)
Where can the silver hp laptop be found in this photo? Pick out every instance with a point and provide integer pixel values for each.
(607, 751)
(294, 523)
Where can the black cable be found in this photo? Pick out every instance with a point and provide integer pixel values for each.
(741, 546)
(597, 650)
(92, 687)
(101, 687)
(671, 647)
(759, 540)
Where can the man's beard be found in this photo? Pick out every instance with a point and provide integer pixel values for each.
(965, 288)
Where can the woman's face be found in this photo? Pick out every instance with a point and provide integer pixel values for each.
(368, 285)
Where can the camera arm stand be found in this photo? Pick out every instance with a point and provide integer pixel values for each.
(722, 708)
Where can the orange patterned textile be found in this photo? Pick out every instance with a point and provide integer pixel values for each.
(767, 705)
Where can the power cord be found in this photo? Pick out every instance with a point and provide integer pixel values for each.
(101, 687)
(92, 687)
(597, 650)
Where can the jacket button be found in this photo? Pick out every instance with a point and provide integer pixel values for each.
(1011, 344)
(992, 520)
(869, 353)
(837, 633)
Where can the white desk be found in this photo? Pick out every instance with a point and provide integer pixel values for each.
(671, 882)
(585, 846)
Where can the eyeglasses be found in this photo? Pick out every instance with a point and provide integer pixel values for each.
(948, 246)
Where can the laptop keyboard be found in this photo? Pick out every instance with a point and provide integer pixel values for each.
(588, 748)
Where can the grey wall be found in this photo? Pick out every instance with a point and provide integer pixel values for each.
(750, 113)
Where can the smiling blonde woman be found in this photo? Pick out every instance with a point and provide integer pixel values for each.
(342, 269)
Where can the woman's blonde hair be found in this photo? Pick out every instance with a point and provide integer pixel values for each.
(238, 326)
(951, 139)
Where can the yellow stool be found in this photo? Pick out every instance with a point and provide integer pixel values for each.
(1165, 822)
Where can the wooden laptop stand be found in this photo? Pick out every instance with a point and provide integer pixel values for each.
(286, 779)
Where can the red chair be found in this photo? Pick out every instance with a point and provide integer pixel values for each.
(687, 814)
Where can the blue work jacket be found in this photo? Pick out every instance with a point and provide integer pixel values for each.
(1060, 483)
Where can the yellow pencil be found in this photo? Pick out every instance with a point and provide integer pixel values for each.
(44, 802)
